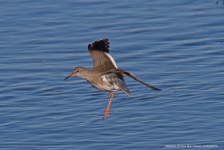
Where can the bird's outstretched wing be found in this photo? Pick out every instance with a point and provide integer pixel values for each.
(127, 74)
(99, 51)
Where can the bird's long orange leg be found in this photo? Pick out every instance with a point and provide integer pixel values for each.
(107, 110)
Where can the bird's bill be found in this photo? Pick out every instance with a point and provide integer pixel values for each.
(69, 76)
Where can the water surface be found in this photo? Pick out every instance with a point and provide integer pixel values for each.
(176, 46)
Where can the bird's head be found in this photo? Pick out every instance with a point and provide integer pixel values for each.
(77, 71)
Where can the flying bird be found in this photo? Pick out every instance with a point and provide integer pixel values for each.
(105, 75)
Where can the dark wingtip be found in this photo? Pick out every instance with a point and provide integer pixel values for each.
(89, 46)
(157, 89)
(100, 45)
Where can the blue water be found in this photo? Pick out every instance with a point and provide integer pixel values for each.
(177, 46)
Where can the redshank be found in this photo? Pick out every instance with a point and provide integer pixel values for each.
(105, 75)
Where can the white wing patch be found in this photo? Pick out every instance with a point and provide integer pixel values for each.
(116, 87)
(111, 59)
(104, 78)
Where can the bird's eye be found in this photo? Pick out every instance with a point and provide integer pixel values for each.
(77, 71)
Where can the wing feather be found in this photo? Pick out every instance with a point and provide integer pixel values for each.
(118, 80)
(99, 51)
(127, 74)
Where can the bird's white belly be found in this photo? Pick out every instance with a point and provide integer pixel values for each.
(107, 88)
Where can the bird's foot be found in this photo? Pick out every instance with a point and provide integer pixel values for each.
(106, 114)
